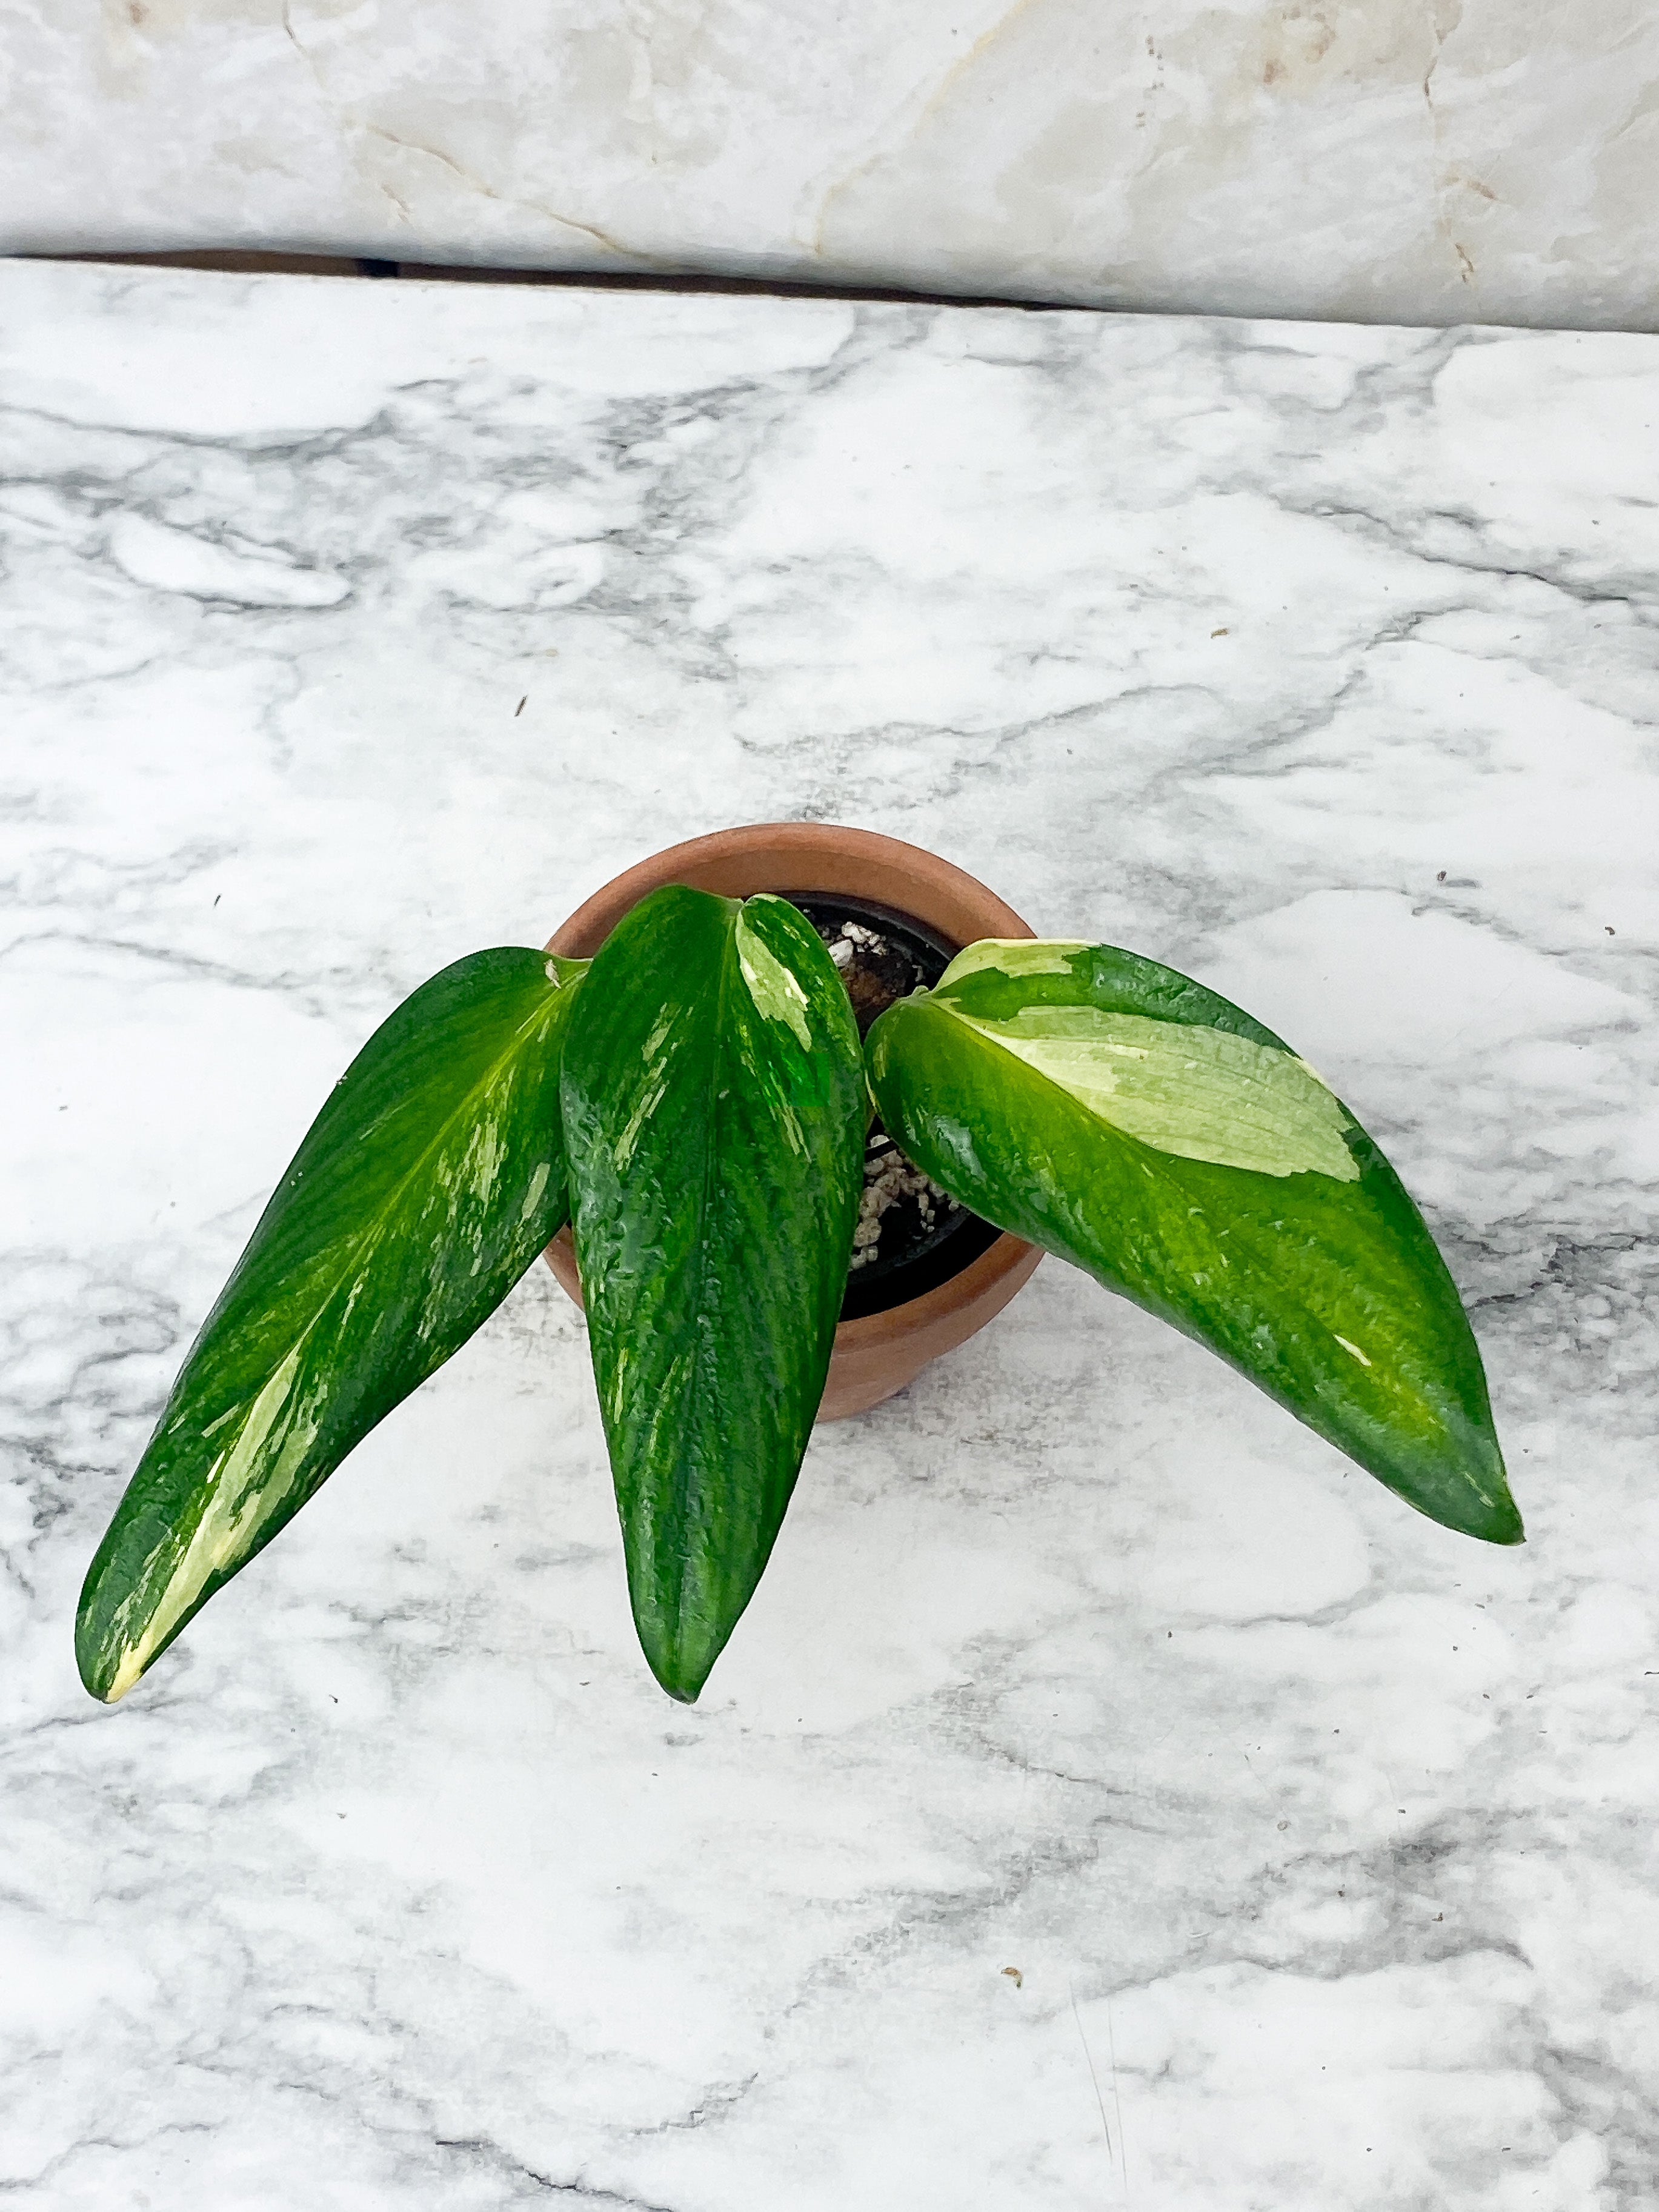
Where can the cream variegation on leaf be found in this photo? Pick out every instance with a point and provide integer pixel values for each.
(714, 1109)
(1123, 1116)
(697, 1102)
(431, 1179)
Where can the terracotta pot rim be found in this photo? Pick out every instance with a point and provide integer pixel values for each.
(947, 1298)
(816, 845)
(598, 914)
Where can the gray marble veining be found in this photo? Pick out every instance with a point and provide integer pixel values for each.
(347, 628)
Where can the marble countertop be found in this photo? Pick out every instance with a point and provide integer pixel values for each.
(348, 627)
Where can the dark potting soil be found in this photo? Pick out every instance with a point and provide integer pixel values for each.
(911, 1237)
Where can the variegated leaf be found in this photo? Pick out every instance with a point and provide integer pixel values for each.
(1121, 1115)
(715, 1112)
(430, 1181)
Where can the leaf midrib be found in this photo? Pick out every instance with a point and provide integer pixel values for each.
(699, 1335)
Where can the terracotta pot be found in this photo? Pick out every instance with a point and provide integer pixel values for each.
(879, 1354)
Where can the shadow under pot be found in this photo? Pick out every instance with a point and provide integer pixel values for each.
(927, 1274)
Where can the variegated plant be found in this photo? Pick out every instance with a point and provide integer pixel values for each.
(695, 1102)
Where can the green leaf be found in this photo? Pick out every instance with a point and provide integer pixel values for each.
(1121, 1115)
(714, 1111)
(431, 1179)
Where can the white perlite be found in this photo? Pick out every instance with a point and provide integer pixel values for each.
(887, 1177)
(844, 948)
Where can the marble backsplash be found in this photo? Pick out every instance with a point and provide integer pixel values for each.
(1407, 160)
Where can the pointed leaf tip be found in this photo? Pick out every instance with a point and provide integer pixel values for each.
(683, 1689)
(1121, 1115)
(430, 1181)
(681, 1663)
(1500, 1523)
(713, 1103)
(91, 1660)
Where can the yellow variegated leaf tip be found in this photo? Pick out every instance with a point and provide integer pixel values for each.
(234, 1509)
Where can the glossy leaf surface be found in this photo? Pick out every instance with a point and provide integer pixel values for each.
(430, 1181)
(714, 1111)
(1122, 1117)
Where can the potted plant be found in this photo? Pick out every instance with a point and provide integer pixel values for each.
(681, 1078)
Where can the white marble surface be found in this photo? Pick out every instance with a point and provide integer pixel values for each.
(1319, 662)
(1413, 161)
